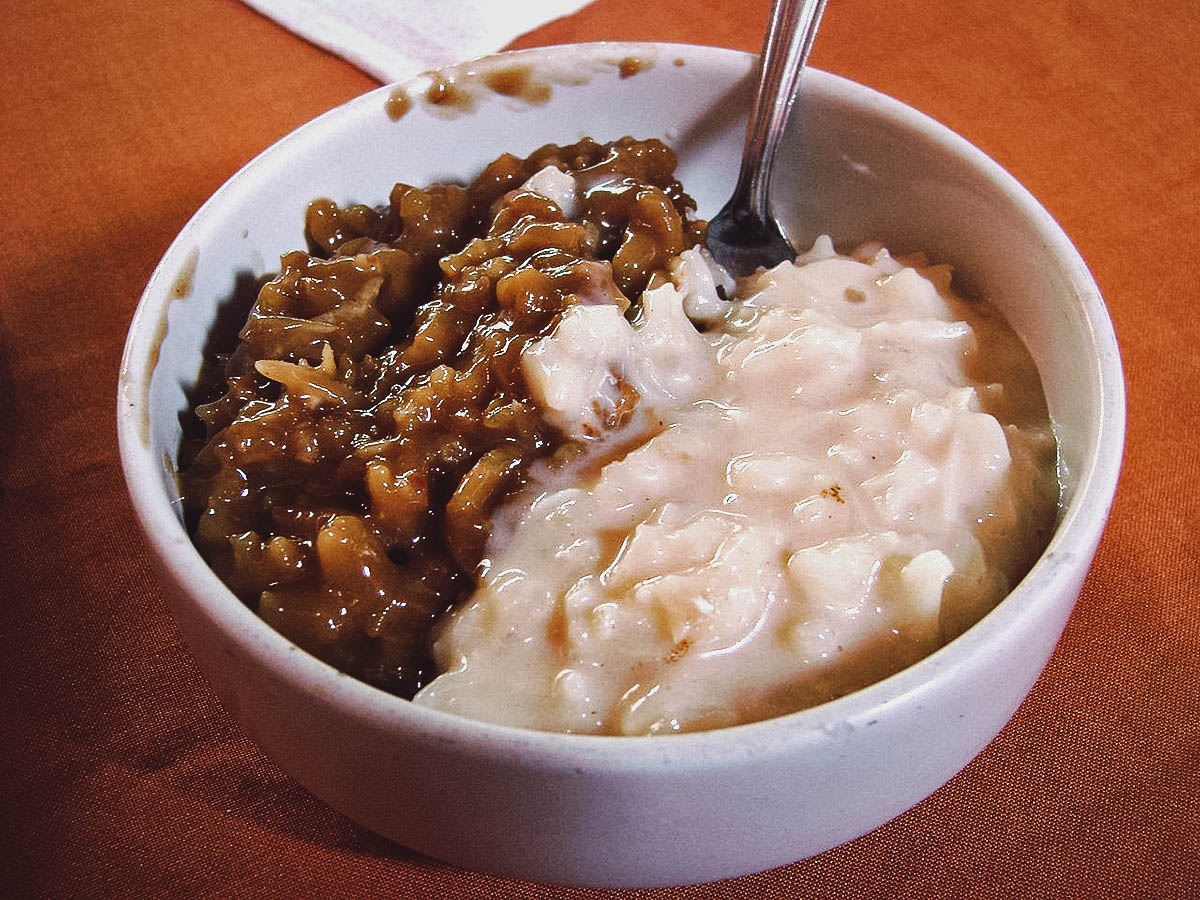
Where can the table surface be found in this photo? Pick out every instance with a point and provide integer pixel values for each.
(121, 773)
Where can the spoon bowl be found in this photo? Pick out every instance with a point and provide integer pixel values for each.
(744, 236)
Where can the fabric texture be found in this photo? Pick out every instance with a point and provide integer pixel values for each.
(397, 39)
(123, 777)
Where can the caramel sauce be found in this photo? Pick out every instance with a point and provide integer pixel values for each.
(517, 81)
(678, 651)
(444, 92)
(373, 412)
(156, 342)
(397, 104)
(834, 492)
(182, 286)
(632, 65)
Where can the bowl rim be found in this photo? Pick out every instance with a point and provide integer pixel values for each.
(1081, 521)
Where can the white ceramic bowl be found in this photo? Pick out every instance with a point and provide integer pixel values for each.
(637, 811)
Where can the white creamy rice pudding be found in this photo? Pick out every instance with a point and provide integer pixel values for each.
(819, 483)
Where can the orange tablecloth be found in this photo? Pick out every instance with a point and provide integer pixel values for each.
(122, 776)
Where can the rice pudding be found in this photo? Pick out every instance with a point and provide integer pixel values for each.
(823, 479)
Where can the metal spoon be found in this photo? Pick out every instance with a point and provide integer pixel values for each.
(744, 235)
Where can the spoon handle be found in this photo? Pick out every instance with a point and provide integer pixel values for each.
(789, 39)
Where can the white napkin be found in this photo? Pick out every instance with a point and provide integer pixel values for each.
(394, 40)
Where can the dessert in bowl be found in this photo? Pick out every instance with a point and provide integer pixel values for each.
(604, 809)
